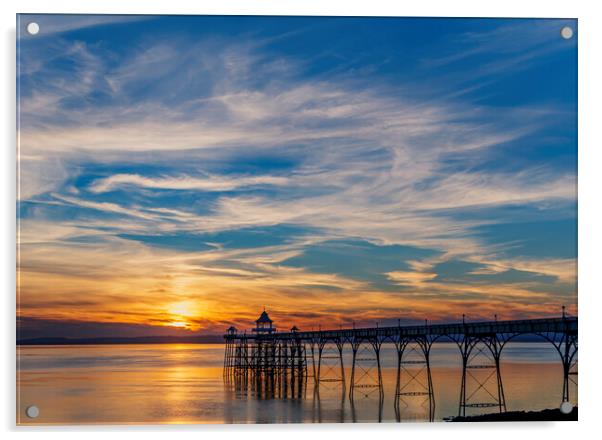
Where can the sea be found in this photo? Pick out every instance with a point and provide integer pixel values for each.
(185, 384)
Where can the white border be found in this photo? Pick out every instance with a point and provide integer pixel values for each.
(590, 219)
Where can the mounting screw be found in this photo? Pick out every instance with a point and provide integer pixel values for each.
(32, 411)
(33, 28)
(566, 407)
(566, 32)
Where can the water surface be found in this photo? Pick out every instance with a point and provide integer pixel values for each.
(93, 384)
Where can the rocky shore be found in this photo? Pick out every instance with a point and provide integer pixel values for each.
(546, 415)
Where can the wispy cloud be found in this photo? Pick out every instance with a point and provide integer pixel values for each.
(211, 183)
(193, 137)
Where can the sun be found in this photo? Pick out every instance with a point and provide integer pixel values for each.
(181, 313)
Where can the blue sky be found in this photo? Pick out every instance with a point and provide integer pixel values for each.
(334, 168)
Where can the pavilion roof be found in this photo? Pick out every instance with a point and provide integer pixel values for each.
(264, 318)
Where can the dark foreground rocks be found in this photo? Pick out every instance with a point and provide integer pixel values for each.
(546, 415)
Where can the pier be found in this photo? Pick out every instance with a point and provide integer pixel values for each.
(281, 363)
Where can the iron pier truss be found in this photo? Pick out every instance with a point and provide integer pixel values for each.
(279, 364)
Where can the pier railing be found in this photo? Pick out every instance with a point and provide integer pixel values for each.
(525, 326)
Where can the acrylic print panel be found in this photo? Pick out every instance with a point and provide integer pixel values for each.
(296, 219)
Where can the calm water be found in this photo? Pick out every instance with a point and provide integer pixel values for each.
(184, 384)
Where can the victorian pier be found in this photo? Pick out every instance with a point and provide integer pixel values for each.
(283, 362)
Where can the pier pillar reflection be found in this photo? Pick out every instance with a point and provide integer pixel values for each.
(481, 385)
(568, 351)
(566, 346)
(414, 383)
(330, 362)
(366, 373)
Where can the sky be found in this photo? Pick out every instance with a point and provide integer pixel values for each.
(177, 174)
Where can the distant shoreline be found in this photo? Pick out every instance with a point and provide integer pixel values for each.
(209, 339)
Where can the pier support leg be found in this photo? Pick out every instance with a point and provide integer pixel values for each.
(414, 384)
(366, 372)
(569, 365)
(330, 359)
(481, 385)
(567, 349)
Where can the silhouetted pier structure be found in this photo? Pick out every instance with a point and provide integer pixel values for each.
(283, 361)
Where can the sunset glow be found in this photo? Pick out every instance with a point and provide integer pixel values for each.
(180, 183)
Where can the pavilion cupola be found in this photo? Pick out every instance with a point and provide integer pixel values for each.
(264, 324)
